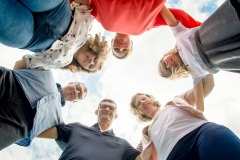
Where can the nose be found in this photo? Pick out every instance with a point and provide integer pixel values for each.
(91, 60)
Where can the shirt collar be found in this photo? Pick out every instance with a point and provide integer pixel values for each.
(107, 132)
(63, 102)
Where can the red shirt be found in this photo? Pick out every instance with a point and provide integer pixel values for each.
(134, 17)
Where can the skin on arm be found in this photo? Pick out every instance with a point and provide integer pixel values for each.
(168, 17)
(20, 64)
(50, 133)
(207, 87)
(199, 96)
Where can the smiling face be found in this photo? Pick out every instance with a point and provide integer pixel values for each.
(169, 63)
(87, 59)
(107, 111)
(121, 45)
(74, 91)
(144, 105)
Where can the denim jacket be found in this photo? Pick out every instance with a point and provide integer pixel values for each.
(42, 93)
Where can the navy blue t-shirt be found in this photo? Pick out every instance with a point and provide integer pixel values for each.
(89, 143)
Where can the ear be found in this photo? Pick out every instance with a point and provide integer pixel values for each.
(116, 116)
(96, 111)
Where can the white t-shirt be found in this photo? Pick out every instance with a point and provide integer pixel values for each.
(61, 52)
(170, 124)
(188, 52)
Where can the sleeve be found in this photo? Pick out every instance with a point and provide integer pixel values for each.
(64, 132)
(56, 57)
(130, 152)
(181, 16)
(177, 29)
(61, 52)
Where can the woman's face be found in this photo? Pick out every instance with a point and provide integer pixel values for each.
(168, 63)
(87, 59)
(145, 105)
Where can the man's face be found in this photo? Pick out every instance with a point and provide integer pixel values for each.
(121, 45)
(107, 111)
(74, 91)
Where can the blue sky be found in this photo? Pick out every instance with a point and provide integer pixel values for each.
(120, 79)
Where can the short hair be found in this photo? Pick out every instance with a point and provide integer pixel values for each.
(107, 100)
(99, 46)
(126, 55)
(134, 110)
(180, 72)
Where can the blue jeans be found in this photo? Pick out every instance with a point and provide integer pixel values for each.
(208, 142)
(33, 25)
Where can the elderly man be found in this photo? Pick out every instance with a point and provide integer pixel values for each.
(94, 143)
(133, 17)
(30, 102)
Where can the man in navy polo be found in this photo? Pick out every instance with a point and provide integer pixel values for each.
(97, 142)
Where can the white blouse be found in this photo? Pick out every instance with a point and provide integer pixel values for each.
(171, 124)
(188, 52)
(61, 52)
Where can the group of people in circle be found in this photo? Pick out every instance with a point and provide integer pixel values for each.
(57, 31)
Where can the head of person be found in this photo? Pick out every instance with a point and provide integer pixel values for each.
(171, 65)
(91, 56)
(122, 45)
(107, 111)
(74, 91)
(144, 106)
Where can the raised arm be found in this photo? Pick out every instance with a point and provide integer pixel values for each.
(49, 133)
(196, 95)
(168, 17)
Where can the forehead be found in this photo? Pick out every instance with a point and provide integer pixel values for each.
(108, 103)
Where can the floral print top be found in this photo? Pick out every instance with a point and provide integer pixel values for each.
(61, 52)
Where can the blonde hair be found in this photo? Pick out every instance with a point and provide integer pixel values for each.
(134, 110)
(180, 72)
(99, 46)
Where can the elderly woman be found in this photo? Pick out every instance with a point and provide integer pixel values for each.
(180, 131)
(54, 30)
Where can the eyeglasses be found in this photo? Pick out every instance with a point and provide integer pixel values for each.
(103, 106)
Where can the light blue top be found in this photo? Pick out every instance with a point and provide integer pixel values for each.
(42, 93)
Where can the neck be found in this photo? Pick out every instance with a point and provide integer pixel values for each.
(155, 113)
(104, 126)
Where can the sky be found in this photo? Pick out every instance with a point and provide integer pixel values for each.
(121, 79)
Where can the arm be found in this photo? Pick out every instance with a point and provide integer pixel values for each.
(20, 64)
(205, 90)
(199, 96)
(138, 157)
(49, 133)
(181, 16)
(168, 17)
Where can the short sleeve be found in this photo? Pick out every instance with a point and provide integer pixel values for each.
(64, 131)
(130, 152)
